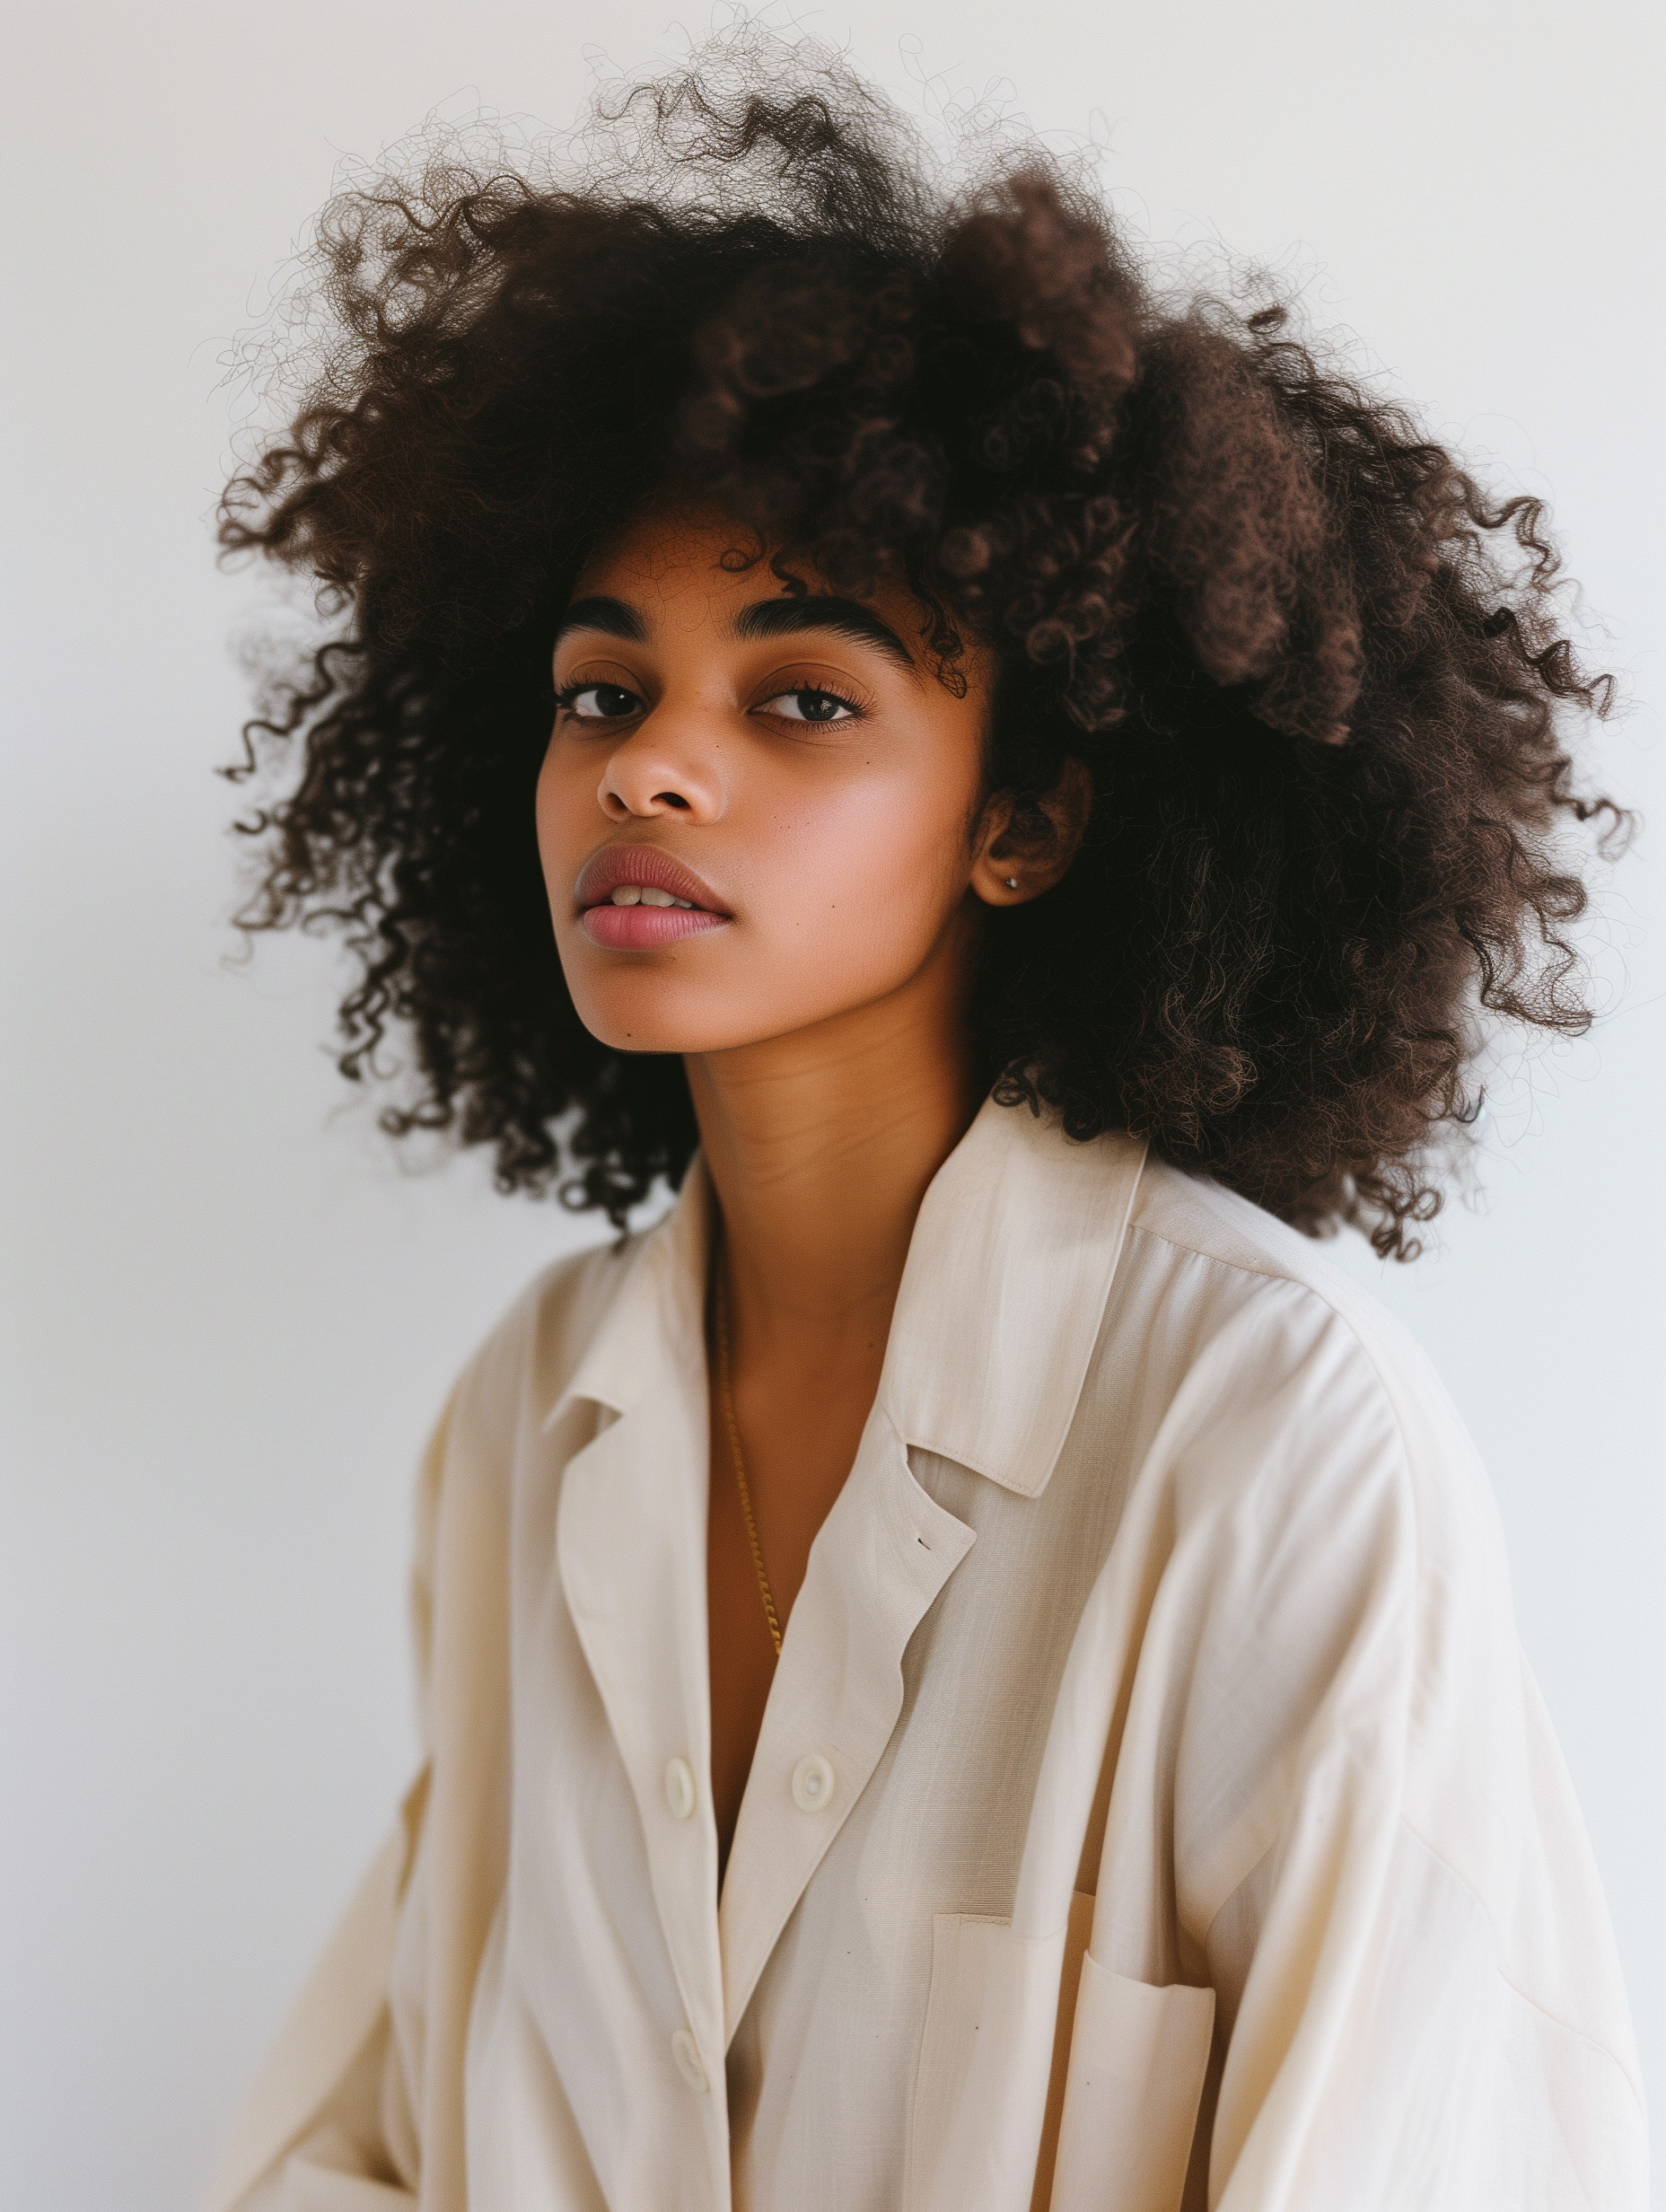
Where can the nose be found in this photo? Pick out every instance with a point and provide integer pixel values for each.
(663, 768)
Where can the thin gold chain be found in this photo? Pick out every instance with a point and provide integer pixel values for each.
(721, 1316)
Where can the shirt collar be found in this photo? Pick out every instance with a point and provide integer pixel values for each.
(1008, 1272)
(1007, 1276)
(656, 1310)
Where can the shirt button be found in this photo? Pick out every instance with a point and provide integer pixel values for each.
(688, 2057)
(812, 1783)
(679, 1788)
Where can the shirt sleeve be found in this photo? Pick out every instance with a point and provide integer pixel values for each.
(328, 2124)
(1373, 1855)
(328, 2108)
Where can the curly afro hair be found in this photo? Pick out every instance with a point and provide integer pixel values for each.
(1312, 668)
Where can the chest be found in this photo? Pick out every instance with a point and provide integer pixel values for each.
(783, 1433)
(921, 1666)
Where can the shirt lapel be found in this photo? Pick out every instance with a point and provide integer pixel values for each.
(631, 1547)
(880, 1557)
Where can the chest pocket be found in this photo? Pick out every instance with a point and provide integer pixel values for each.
(1133, 2083)
(1047, 2083)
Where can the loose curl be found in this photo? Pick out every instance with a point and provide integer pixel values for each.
(1313, 670)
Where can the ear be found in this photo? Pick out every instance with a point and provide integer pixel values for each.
(1017, 854)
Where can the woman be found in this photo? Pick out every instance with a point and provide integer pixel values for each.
(965, 1667)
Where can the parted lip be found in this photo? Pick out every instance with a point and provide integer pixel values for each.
(604, 873)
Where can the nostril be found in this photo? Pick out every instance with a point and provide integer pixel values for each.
(672, 798)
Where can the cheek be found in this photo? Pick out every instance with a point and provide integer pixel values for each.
(874, 843)
(855, 886)
(561, 816)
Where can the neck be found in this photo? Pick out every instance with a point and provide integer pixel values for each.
(820, 1145)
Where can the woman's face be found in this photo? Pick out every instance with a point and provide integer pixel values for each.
(758, 811)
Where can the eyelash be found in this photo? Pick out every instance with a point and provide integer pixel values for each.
(817, 691)
(568, 693)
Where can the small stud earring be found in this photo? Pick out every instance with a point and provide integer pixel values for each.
(1012, 882)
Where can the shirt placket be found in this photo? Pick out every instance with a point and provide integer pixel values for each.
(880, 1559)
(631, 1541)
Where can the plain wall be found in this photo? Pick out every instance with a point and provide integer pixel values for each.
(231, 1316)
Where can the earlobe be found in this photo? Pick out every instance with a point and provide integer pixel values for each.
(1024, 851)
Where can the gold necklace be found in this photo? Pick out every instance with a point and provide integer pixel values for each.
(721, 1317)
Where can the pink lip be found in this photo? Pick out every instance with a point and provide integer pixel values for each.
(623, 928)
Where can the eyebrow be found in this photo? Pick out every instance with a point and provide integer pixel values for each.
(612, 617)
(846, 617)
(765, 618)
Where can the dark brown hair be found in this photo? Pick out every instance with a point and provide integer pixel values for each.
(1313, 669)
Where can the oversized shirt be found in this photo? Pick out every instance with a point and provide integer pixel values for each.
(1153, 1808)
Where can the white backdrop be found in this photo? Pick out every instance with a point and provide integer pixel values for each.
(231, 1317)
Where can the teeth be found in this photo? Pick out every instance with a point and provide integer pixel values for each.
(645, 894)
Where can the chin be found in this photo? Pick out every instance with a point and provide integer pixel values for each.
(689, 1022)
(662, 1003)
(658, 1020)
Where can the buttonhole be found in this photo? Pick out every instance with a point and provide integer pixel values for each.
(922, 1542)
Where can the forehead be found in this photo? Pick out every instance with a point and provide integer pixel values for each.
(682, 570)
(671, 542)
(673, 550)
(692, 568)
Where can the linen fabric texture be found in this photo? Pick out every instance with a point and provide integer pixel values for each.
(1196, 1834)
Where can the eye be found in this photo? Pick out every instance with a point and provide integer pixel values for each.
(598, 702)
(811, 705)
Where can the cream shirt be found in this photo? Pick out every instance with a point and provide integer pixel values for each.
(1153, 1808)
